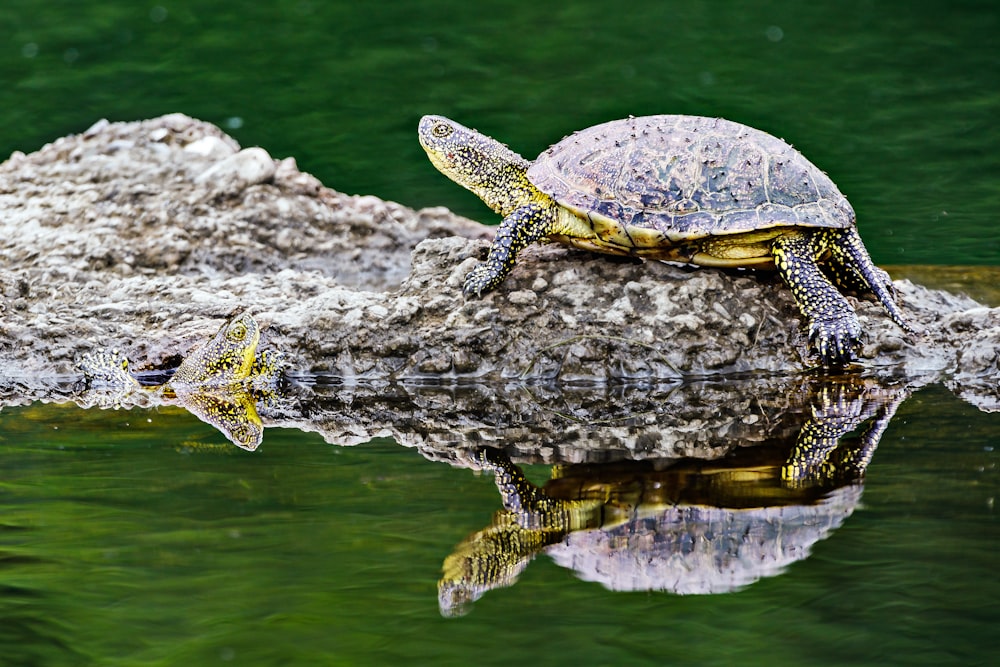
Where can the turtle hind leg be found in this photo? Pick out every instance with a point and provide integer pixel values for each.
(844, 277)
(834, 330)
(517, 231)
(852, 267)
(850, 281)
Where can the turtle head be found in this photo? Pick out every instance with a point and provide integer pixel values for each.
(476, 162)
(236, 345)
(225, 359)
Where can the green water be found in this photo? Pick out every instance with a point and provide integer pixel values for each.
(145, 538)
(138, 537)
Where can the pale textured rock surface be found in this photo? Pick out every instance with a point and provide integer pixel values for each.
(146, 235)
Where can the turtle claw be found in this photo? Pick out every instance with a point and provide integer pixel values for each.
(478, 280)
(886, 280)
(488, 458)
(836, 341)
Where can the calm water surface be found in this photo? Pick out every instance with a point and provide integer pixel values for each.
(146, 538)
(143, 537)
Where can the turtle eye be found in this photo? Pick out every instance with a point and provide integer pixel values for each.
(238, 332)
(441, 130)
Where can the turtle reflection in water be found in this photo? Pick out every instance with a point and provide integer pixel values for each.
(693, 527)
(220, 382)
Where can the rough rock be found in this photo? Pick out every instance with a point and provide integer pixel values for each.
(145, 235)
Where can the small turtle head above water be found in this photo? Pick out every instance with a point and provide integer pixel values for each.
(221, 382)
(227, 358)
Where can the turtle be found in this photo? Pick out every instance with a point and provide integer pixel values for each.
(220, 381)
(690, 189)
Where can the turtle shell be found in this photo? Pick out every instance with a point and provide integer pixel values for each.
(669, 178)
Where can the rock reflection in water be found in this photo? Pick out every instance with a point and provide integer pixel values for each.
(686, 527)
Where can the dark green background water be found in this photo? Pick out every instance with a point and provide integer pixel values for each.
(143, 538)
(897, 100)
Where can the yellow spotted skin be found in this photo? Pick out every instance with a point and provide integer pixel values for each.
(499, 176)
(227, 358)
(108, 369)
(495, 556)
(220, 382)
(680, 188)
(831, 450)
(823, 453)
(491, 558)
(232, 410)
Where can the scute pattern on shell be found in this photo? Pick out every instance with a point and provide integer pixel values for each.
(688, 177)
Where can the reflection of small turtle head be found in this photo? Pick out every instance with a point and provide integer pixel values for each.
(455, 598)
(232, 410)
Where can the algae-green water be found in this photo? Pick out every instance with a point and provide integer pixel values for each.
(138, 538)
(135, 537)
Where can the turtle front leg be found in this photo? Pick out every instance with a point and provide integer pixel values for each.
(517, 231)
(834, 329)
